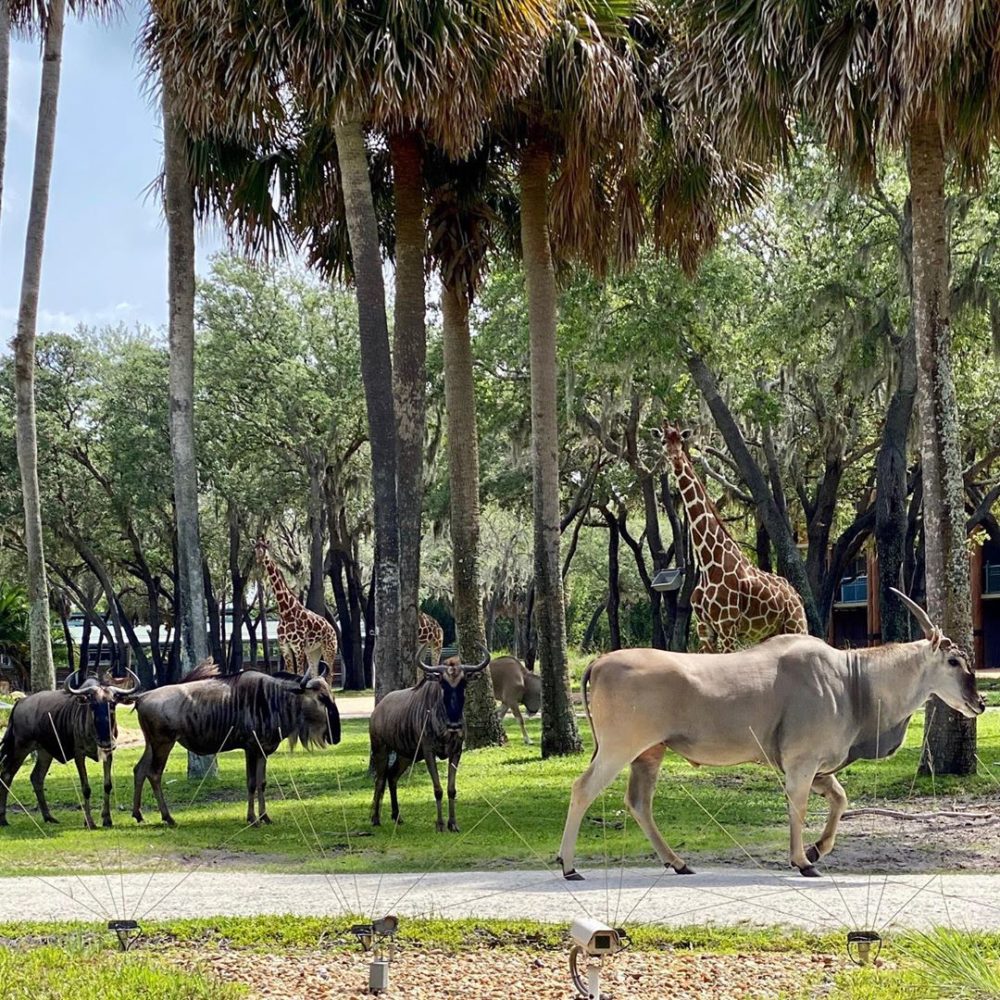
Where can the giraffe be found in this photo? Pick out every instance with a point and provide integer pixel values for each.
(736, 603)
(430, 634)
(304, 637)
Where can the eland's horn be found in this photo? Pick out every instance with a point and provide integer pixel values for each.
(471, 670)
(918, 612)
(134, 689)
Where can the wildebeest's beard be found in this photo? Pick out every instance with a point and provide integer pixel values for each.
(319, 722)
(454, 702)
(103, 713)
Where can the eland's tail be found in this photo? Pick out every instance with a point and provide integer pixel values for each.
(586, 704)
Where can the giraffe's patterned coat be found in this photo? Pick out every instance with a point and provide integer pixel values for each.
(304, 637)
(430, 634)
(736, 603)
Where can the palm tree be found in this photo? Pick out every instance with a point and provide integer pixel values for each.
(4, 86)
(43, 674)
(409, 70)
(14, 642)
(869, 75)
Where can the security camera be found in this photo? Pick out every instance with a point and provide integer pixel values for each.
(595, 938)
(387, 925)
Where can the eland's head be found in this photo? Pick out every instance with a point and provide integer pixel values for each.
(949, 667)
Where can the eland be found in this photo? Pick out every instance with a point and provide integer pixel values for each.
(793, 703)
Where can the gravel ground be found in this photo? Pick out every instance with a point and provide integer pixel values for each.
(508, 975)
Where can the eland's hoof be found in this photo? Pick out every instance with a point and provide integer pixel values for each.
(573, 876)
(683, 870)
(812, 854)
(809, 872)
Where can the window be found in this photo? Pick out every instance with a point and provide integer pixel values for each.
(992, 578)
(854, 590)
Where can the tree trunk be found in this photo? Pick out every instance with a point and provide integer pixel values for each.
(950, 746)
(43, 673)
(315, 599)
(614, 581)
(409, 350)
(264, 637)
(482, 727)
(214, 606)
(179, 206)
(559, 729)
(235, 660)
(376, 373)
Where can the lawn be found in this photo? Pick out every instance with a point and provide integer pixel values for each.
(511, 807)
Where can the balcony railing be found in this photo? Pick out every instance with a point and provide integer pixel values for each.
(854, 590)
(992, 582)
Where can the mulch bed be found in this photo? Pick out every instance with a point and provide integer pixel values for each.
(512, 975)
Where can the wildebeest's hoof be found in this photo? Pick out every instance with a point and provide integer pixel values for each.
(106, 823)
(89, 824)
(682, 870)
(265, 819)
(809, 872)
(572, 876)
(376, 821)
(439, 826)
(50, 819)
(527, 741)
(3, 821)
(170, 821)
(453, 828)
(812, 853)
(138, 817)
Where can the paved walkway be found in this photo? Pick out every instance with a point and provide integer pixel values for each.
(835, 902)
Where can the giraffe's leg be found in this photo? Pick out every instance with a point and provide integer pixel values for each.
(330, 654)
(313, 655)
(706, 637)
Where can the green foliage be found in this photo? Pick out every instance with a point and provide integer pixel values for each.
(52, 973)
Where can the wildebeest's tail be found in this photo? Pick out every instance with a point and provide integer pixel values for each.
(586, 704)
(7, 740)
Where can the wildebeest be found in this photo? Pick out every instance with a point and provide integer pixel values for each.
(793, 703)
(73, 724)
(210, 712)
(514, 685)
(428, 721)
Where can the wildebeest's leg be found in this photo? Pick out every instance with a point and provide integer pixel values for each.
(520, 721)
(261, 785)
(453, 763)
(106, 805)
(81, 769)
(396, 768)
(432, 767)
(251, 757)
(11, 765)
(156, 765)
(586, 788)
(43, 761)
(380, 762)
(639, 799)
(139, 774)
(833, 791)
(798, 782)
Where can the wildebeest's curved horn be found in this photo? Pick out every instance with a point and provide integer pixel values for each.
(70, 684)
(306, 677)
(470, 670)
(428, 668)
(323, 670)
(918, 612)
(134, 689)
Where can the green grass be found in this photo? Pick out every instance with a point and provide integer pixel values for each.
(511, 808)
(87, 973)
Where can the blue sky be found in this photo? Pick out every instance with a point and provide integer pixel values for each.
(105, 244)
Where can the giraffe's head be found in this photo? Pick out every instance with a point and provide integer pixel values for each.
(260, 549)
(674, 439)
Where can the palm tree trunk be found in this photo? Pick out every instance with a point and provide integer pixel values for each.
(409, 348)
(376, 373)
(482, 726)
(43, 674)
(950, 739)
(559, 731)
(178, 200)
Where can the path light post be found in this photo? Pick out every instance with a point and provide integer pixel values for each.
(378, 937)
(127, 932)
(860, 945)
(597, 941)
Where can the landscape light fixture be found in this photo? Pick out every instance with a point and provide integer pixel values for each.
(128, 932)
(860, 944)
(378, 937)
(597, 941)
(667, 579)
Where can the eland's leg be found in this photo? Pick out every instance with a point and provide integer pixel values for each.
(601, 772)
(520, 721)
(43, 761)
(833, 791)
(639, 799)
(798, 782)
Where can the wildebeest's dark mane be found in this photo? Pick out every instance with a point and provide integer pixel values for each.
(205, 670)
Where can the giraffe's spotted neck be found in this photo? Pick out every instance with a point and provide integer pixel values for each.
(287, 601)
(711, 541)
